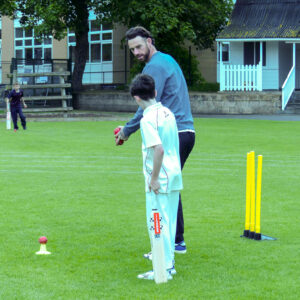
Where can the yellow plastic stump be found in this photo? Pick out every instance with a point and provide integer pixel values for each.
(252, 194)
(258, 197)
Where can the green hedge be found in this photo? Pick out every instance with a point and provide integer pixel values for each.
(205, 87)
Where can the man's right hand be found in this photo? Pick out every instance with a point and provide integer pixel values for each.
(120, 136)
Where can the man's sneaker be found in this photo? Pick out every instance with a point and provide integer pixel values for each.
(180, 248)
(150, 275)
(148, 255)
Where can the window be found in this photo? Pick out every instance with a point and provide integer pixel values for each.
(28, 42)
(19, 33)
(47, 54)
(252, 53)
(107, 52)
(107, 26)
(37, 42)
(95, 37)
(19, 53)
(48, 41)
(106, 36)
(72, 52)
(225, 53)
(95, 53)
(100, 42)
(72, 39)
(28, 53)
(28, 33)
(99, 65)
(28, 47)
(38, 53)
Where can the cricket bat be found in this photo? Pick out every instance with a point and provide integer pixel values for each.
(158, 253)
(8, 116)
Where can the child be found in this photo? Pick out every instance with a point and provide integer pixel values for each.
(16, 97)
(161, 164)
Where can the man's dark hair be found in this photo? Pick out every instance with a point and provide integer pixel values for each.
(139, 31)
(143, 86)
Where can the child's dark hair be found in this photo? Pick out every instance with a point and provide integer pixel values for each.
(143, 86)
(139, 31)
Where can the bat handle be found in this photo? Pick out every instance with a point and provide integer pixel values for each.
(156, 200)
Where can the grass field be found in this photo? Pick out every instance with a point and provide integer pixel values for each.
(69, 182)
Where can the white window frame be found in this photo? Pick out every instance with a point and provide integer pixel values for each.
(95, 71)
(101, 41)
(224, 45)
(31, 39)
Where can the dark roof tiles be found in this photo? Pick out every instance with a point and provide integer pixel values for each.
(263, 19)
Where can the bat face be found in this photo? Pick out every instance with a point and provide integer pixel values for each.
(8, 116)
(158, 253)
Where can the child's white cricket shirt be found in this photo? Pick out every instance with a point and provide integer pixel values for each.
(158, 126)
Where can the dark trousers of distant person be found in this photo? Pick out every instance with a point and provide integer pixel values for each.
(15, 110)
(186, 144)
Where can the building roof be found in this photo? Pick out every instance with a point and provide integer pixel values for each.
(259, 19)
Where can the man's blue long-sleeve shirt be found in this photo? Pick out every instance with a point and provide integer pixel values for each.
(171, 89)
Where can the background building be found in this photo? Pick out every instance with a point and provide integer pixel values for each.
(104, 44)
(108, 62)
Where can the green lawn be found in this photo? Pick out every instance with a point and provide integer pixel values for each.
(68, 181)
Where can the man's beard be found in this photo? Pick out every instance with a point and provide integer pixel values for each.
(146, 55)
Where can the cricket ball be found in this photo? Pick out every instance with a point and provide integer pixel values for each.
(115, 132)
(43, 240)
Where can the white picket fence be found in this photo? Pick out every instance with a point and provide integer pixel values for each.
(240, 77)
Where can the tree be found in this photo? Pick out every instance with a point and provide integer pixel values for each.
(173, 22)
(55, 17)
(7, 7)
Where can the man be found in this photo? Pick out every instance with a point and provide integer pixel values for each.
(161, 165)
(172, 92)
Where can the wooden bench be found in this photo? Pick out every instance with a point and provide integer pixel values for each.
(49, 109)
(41, 74)
(41, 86)
(62, 85)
